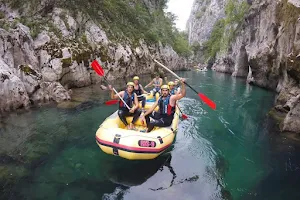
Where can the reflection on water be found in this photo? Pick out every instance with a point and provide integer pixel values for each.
(50, 153)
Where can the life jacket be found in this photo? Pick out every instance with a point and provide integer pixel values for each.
(173, 91)
(138, 91)
(129, 100)
(157, 82)
(164, 106)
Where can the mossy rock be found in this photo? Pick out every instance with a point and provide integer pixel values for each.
(293, 66)
(82, 56)
(66, 62)
(277, 116)
(28, 70)
(2, 15)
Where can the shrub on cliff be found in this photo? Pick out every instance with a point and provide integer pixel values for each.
(225, 29)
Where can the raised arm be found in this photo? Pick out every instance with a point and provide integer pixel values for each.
(182, 92)
(178, 90)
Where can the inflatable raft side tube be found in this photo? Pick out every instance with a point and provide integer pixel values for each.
(131, 149)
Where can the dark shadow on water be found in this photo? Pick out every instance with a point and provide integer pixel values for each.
(133, 173)
(283, 178)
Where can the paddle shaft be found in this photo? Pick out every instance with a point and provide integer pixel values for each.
(179, 108)
(117, 94)
(174, 74)
(143, 95)
(97, 67)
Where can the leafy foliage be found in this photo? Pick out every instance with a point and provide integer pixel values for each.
(124, 19)
(225, 29)
(181, 45)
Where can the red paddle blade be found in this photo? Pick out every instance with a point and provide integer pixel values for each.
(206, 100)
(112, 102)
(184, 116)
(97, 67)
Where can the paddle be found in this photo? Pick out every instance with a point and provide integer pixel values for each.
(112, 102)
(115, 101)
(98, 69)
(204, 98)
(143, 94)
(184, 116)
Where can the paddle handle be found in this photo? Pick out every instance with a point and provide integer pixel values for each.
(121, 98)
(174, 74)
(179, 109)
(143, 95)
(167, 69)
(191, 87)
(117, 94)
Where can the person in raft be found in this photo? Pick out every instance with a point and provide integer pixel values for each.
(130, 98)
(176, 85)
(173, 89)
(167, 104)
(157, 83)
(139, 90)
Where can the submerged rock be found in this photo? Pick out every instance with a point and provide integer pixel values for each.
(292, 121)
(10, 174)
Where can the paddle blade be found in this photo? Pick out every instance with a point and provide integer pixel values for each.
(184, 116)
(97, 67)
(112, 102)
(206, 100)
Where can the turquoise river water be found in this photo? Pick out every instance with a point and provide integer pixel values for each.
(234, 152)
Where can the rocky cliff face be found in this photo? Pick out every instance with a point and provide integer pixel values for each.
(266, 49)
(204, 14)
(41, 64)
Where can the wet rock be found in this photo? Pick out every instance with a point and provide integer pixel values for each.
(278, 114)
(241, 66)
(68, 104)
(292, 121)
(226, 195)
(224, 65)
(78, 76)
(51, 91)
(222, 165)
(12, 173)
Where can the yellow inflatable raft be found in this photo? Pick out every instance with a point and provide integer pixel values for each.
(113, 138)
